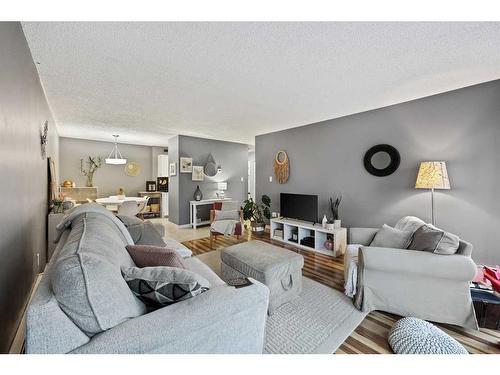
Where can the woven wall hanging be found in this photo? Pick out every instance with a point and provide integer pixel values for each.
(281, 167)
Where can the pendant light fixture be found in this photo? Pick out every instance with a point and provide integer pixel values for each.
(115, 156)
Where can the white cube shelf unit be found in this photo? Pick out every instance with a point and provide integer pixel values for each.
(305, 229)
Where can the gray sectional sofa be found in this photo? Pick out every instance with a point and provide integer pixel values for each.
(83, 305)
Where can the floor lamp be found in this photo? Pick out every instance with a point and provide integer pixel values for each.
(432, 175)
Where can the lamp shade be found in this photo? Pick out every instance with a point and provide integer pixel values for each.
(222, 186)
(432, 175)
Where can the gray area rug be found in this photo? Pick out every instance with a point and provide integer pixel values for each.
(317, 322)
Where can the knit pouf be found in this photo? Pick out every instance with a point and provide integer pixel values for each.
(416, 336)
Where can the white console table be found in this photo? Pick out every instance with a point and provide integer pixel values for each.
(307, 229)
(193, 209)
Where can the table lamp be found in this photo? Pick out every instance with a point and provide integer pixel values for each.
(221, 186)
(432, 175)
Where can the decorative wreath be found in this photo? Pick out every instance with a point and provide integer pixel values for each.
(281, 167)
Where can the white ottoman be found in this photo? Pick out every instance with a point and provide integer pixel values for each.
(279, 269)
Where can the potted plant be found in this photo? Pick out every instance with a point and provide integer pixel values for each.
(57, 204)
(257, 213)
(93, 164)
(334, 222)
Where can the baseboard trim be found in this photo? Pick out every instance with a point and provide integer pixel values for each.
(17, 345)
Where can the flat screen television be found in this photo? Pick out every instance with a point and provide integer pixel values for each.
(299, 206)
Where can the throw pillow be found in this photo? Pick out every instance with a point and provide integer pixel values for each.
(153, 256)
(227, 215)
(163, 286)
(429, 238)
(142, 232)
(391, 237)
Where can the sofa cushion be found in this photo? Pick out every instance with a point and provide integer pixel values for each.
(432, 239)
(87, 280)
(391, 237)
(162, 286)
(142, 232)
(153, 256)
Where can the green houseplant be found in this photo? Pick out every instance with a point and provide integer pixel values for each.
(92, 165)
(257, 213)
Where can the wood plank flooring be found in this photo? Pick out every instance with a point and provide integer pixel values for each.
(371, 335)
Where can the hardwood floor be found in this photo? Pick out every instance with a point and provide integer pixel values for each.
(371, 335)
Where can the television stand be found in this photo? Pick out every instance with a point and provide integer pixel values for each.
(306, 229)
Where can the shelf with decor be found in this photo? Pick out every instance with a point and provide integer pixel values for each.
(308, 236)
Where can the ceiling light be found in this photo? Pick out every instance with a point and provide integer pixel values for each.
(115, 156)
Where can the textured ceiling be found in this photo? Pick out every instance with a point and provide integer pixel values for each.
(232, 81)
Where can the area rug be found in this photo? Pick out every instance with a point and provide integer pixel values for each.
(317, 322)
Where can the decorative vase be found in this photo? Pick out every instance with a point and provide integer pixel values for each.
(198, 195)
(67, 205)
(337, 224)
(58, 209)
(324, 221)
(90, 180)
(330, 226)
(328, 244)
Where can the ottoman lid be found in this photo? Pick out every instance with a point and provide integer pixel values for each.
(261, 260)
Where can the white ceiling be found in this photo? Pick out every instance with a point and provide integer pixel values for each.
(232, 81)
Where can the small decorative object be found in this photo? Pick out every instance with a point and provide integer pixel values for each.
(115, 156)
(93, 163)
(334, 208)
(172, 171)
(257, 213)
(57, 204)
(328, 245)
(198, 195)
(67, 184)
(211, 167)
(150, 186)
(121, 193)
(330, 226)
(221, 187)
(132, 169)
(337, 224)
(162, 184)
(432, 175)
(275, 214)
(187, 165)
(43, 139)
(281, 167)
(67, 205)
(381, 160)
(324, 221)
(197, 174)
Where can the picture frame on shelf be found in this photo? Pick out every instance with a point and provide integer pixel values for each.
(150, 186)
(198, 174)
(162, 184)
(186, 165)
(172, 170)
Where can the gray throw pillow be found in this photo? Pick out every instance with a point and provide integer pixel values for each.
(391, 237)
(434, 240)
(162, 286)
(227, 215)
(142, 232)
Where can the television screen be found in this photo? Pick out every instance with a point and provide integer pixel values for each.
(299, 206)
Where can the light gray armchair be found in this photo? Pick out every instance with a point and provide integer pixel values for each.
(414, 283)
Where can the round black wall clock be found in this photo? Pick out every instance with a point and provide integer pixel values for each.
(381, 160)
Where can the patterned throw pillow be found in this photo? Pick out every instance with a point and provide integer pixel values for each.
(163, 286)
(153, 256)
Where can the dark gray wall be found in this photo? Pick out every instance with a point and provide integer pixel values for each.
(108, 178)
(461, 127)
(23, 187)
(233, 158)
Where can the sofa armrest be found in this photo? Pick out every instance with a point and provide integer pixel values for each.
(362, 236)
(222, 320)
(421, 263)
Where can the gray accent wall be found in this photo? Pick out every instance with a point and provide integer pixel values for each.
(108, 178)
(461, 127)
(233, 158)
(23, 187)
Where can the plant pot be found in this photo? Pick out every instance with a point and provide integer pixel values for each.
(337, 224)
(330, 226)
(258, 228)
